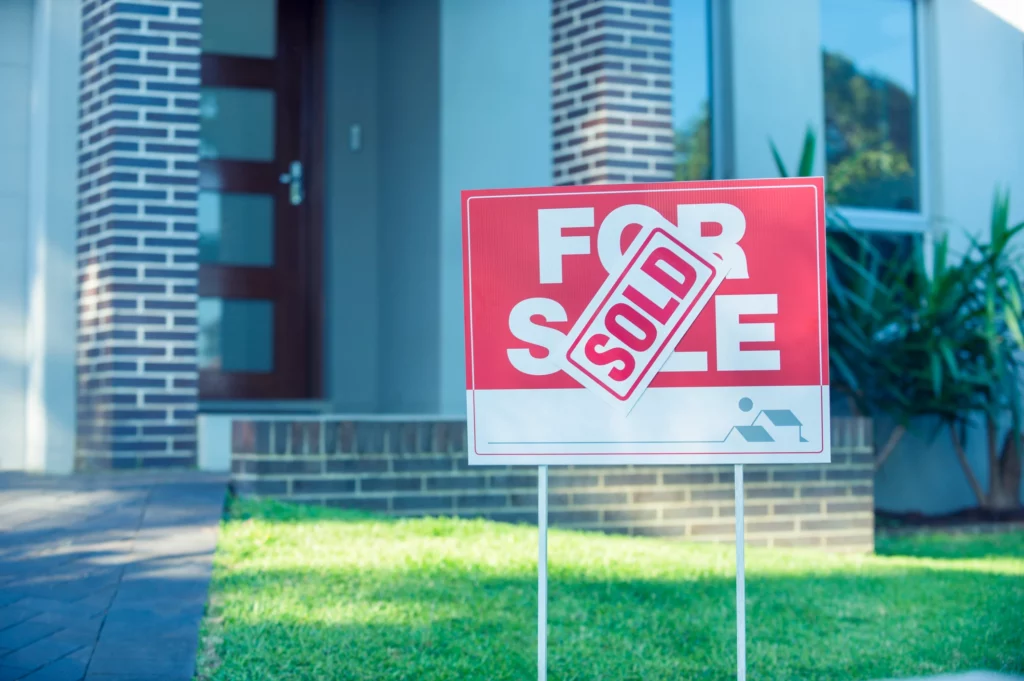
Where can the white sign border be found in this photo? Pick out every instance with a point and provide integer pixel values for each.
(643, 459)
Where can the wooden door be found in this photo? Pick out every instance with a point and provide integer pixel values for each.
(259, 217)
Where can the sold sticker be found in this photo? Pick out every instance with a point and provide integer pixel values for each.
(638, 316)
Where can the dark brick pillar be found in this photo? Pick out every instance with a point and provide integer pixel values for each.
(137, 238)
(612, 91)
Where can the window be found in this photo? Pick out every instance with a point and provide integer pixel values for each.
(691, 89)
(869, 52)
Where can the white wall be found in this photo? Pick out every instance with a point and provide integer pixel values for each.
(495, 132)
(975, 74)
(15, 81)
(52, 231)
(39, 60)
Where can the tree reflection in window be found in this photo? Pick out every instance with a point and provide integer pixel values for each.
(691, 89)
(870, 99)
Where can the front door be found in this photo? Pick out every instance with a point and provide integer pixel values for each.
(259, 231)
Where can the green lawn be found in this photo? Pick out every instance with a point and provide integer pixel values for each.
(304, 593)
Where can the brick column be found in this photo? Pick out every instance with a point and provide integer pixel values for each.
(612, 91)
(137, 236)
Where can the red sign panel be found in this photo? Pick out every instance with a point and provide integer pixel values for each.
(649, 323)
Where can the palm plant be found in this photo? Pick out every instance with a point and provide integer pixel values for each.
(956, 336)
(997, 359)
(936, 336)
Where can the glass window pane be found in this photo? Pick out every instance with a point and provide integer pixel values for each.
(691, 89)
(236, 229)
(244, 28)
(236, 123)
(236, 335)
(870, 103)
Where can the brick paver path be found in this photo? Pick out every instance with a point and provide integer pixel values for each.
(105, 576)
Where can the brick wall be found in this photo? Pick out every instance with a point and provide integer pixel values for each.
(137, 246)
(421, 469)
(612, 91)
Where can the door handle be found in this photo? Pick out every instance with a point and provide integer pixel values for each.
(294, 181)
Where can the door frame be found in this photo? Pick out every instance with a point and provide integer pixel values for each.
(311, 242)
(315, 191)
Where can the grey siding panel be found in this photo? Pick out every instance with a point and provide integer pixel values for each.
(350, 225)
(408, 206)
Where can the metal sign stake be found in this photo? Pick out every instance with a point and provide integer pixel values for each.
(741, 590)
(542, 573)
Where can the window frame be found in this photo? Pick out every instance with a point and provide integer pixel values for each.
(887, 219)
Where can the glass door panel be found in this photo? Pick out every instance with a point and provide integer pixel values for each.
(236, 335)
(258, 239)
(236, 123)
(243, 28)
(236, 228)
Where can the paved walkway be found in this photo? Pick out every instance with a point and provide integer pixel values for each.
(105, 576)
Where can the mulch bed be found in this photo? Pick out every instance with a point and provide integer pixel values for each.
(965, 520)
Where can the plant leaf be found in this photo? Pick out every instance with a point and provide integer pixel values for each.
(779, 163)
(806, 167)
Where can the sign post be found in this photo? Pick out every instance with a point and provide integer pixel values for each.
(542, 573)
(741, 584)
(653, 324)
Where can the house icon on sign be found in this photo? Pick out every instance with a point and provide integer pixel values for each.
(770, 425)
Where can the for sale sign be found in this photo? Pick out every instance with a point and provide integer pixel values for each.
(647, 324)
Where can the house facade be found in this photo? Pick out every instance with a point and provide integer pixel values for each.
(222, 212)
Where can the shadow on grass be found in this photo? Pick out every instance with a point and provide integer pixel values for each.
(270, 510)
(941, 545)
(927, 544)
(439, 616)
